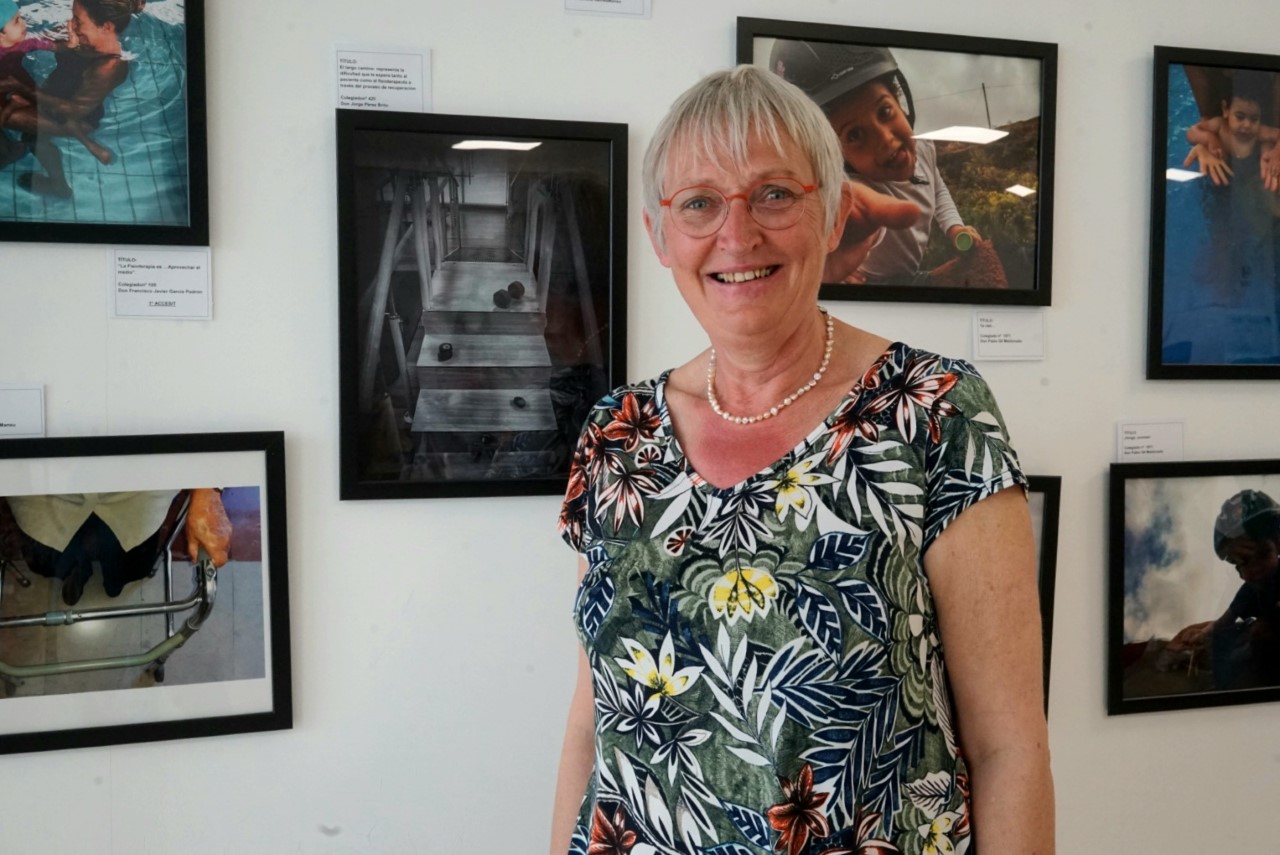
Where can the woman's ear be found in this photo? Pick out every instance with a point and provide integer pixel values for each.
(654, 239)
(843, 209)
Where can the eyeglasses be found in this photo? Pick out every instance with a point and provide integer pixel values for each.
(774, 203)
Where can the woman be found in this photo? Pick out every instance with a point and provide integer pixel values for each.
(70, 101)
(781, 537)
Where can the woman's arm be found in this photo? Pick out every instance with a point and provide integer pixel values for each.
(577, 757)
(93, 90)
(1207, 133)
(982, 570)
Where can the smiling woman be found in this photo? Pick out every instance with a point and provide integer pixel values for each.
(780, 538)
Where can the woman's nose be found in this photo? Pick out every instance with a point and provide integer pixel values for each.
(739, 227)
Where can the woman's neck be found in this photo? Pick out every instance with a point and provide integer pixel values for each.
(752, 376)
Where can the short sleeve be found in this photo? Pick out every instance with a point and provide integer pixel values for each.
(969, 456)
(574, 521)
(615, 428)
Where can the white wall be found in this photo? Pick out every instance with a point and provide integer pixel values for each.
(432, 648)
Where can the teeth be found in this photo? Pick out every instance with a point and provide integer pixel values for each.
(745, 275)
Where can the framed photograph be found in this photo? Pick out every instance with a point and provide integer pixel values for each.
(482, 298)
(960, 128)
(1043, 498)
(1215, 216)
(1194, 617)
(103, 135)
(143, 589)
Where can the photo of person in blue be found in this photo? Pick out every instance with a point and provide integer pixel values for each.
(1221, 282)
(93, 112)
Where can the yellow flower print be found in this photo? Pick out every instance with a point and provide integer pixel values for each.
(743, 593)
(659, 676)
(937, 834)
(795, 489)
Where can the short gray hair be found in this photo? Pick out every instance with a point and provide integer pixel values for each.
(719, 114)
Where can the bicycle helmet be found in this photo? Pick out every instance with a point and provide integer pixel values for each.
(827, 71)
(1249, 513)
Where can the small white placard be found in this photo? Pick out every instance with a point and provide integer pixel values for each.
(170, 284)
(1017, 334)
(1142, 442)
(625, 8)
(21, 411)
(369, 79)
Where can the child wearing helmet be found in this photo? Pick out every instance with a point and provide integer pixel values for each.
(868, 101)
(1246, 643)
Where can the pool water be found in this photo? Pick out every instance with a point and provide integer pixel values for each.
(1220, 286)
(144, 125)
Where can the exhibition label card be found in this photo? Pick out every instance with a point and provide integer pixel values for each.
(21, 411)
(625, 8)
(370, 79)
(170, 284)
(1012, 334)
(1146, 442)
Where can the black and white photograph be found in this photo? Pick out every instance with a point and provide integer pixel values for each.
(102, 122)
(1215, 200)
(1194, 617)
(482, 298)
(948, 140)
(144, 596)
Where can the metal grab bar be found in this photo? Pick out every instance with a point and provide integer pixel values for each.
(201, 599)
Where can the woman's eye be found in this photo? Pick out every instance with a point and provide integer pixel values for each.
(773, 193)
(696, 203)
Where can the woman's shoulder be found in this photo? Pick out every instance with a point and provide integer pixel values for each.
(640, 393)
(919, 368)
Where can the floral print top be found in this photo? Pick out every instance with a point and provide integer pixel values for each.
(765, 658)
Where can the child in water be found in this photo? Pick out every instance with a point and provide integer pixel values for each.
(1235, 134)
(1229, 308)
(863, 92)
(14, 47)
(70, 101)
(1246, 638)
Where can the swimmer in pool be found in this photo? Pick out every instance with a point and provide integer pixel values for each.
(70, 101)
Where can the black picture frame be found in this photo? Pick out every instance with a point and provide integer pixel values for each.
(156, 663)
(454, 380)
(1012, 266)
(1175, 639)
(1212, 309)
(1044, 494)
(155, 189)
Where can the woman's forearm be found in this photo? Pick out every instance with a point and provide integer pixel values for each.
(577, 759)
(1012, 802)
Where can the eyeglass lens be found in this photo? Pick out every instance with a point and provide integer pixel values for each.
(774, 203)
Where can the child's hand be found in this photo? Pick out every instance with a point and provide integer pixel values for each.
(1215, 167)
(869, 213)
(955, 231)
(1269, 163)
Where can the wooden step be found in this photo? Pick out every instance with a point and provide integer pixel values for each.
(484, 361)
(462, 466)
(483, 410)
(484, 323)
(468, 286)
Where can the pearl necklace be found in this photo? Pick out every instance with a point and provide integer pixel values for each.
(785, 402)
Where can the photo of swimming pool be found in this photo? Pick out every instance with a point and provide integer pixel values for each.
(1218, 288)
(96, 128)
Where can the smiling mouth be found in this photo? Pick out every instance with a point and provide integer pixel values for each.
(744, 275)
